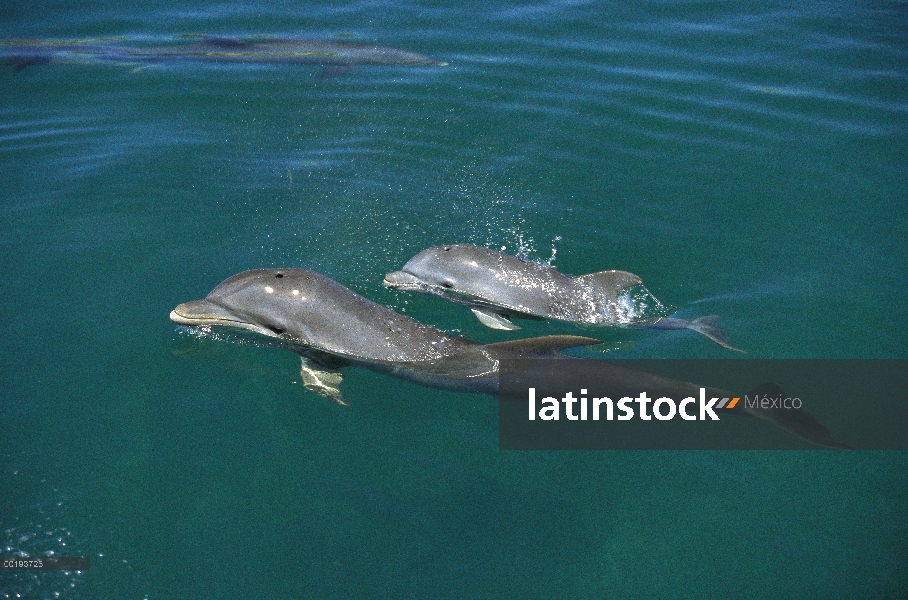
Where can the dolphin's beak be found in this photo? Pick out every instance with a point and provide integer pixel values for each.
(202, 312)
(206, 312)
(401, 280)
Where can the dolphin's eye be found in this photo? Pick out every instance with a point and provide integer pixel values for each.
(447, 249)
(279, 275)
(447, 284)
(276, 330)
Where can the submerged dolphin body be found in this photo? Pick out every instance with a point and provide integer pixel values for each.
(335, 55)
(331, 327)
(498, 287)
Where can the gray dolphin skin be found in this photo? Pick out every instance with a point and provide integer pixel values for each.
(336, 56)
(331, 327)
(498, 287)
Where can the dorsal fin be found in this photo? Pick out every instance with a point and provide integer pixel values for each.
(540, 346)
(610, 282)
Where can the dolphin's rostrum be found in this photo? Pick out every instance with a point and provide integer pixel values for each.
(498, 287)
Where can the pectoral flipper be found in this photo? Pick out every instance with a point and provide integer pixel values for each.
(322, 380)
(494, 320)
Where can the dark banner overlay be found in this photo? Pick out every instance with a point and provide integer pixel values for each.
(577, 404)
(44, 563)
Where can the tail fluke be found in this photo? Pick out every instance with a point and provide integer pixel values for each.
(704, 325)
(793, 420)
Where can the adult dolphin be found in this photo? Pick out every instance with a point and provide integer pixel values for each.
(336, 56)
(498, 287)
(331, 327)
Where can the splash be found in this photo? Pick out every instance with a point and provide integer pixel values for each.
(551, 260)
(633, 306)
(638, 305)
(209, 333)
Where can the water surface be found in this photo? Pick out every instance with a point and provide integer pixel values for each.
(746, 160)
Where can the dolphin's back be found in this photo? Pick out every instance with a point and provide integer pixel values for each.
(261, 50)
(316, 311)
(488, 279)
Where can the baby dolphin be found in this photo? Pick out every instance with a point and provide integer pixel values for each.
(330, 327)
(498, 287)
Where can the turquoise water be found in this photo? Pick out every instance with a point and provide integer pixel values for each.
(745, 159)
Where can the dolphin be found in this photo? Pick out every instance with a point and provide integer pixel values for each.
(336, 56)
(498, 287)
(332, 327)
